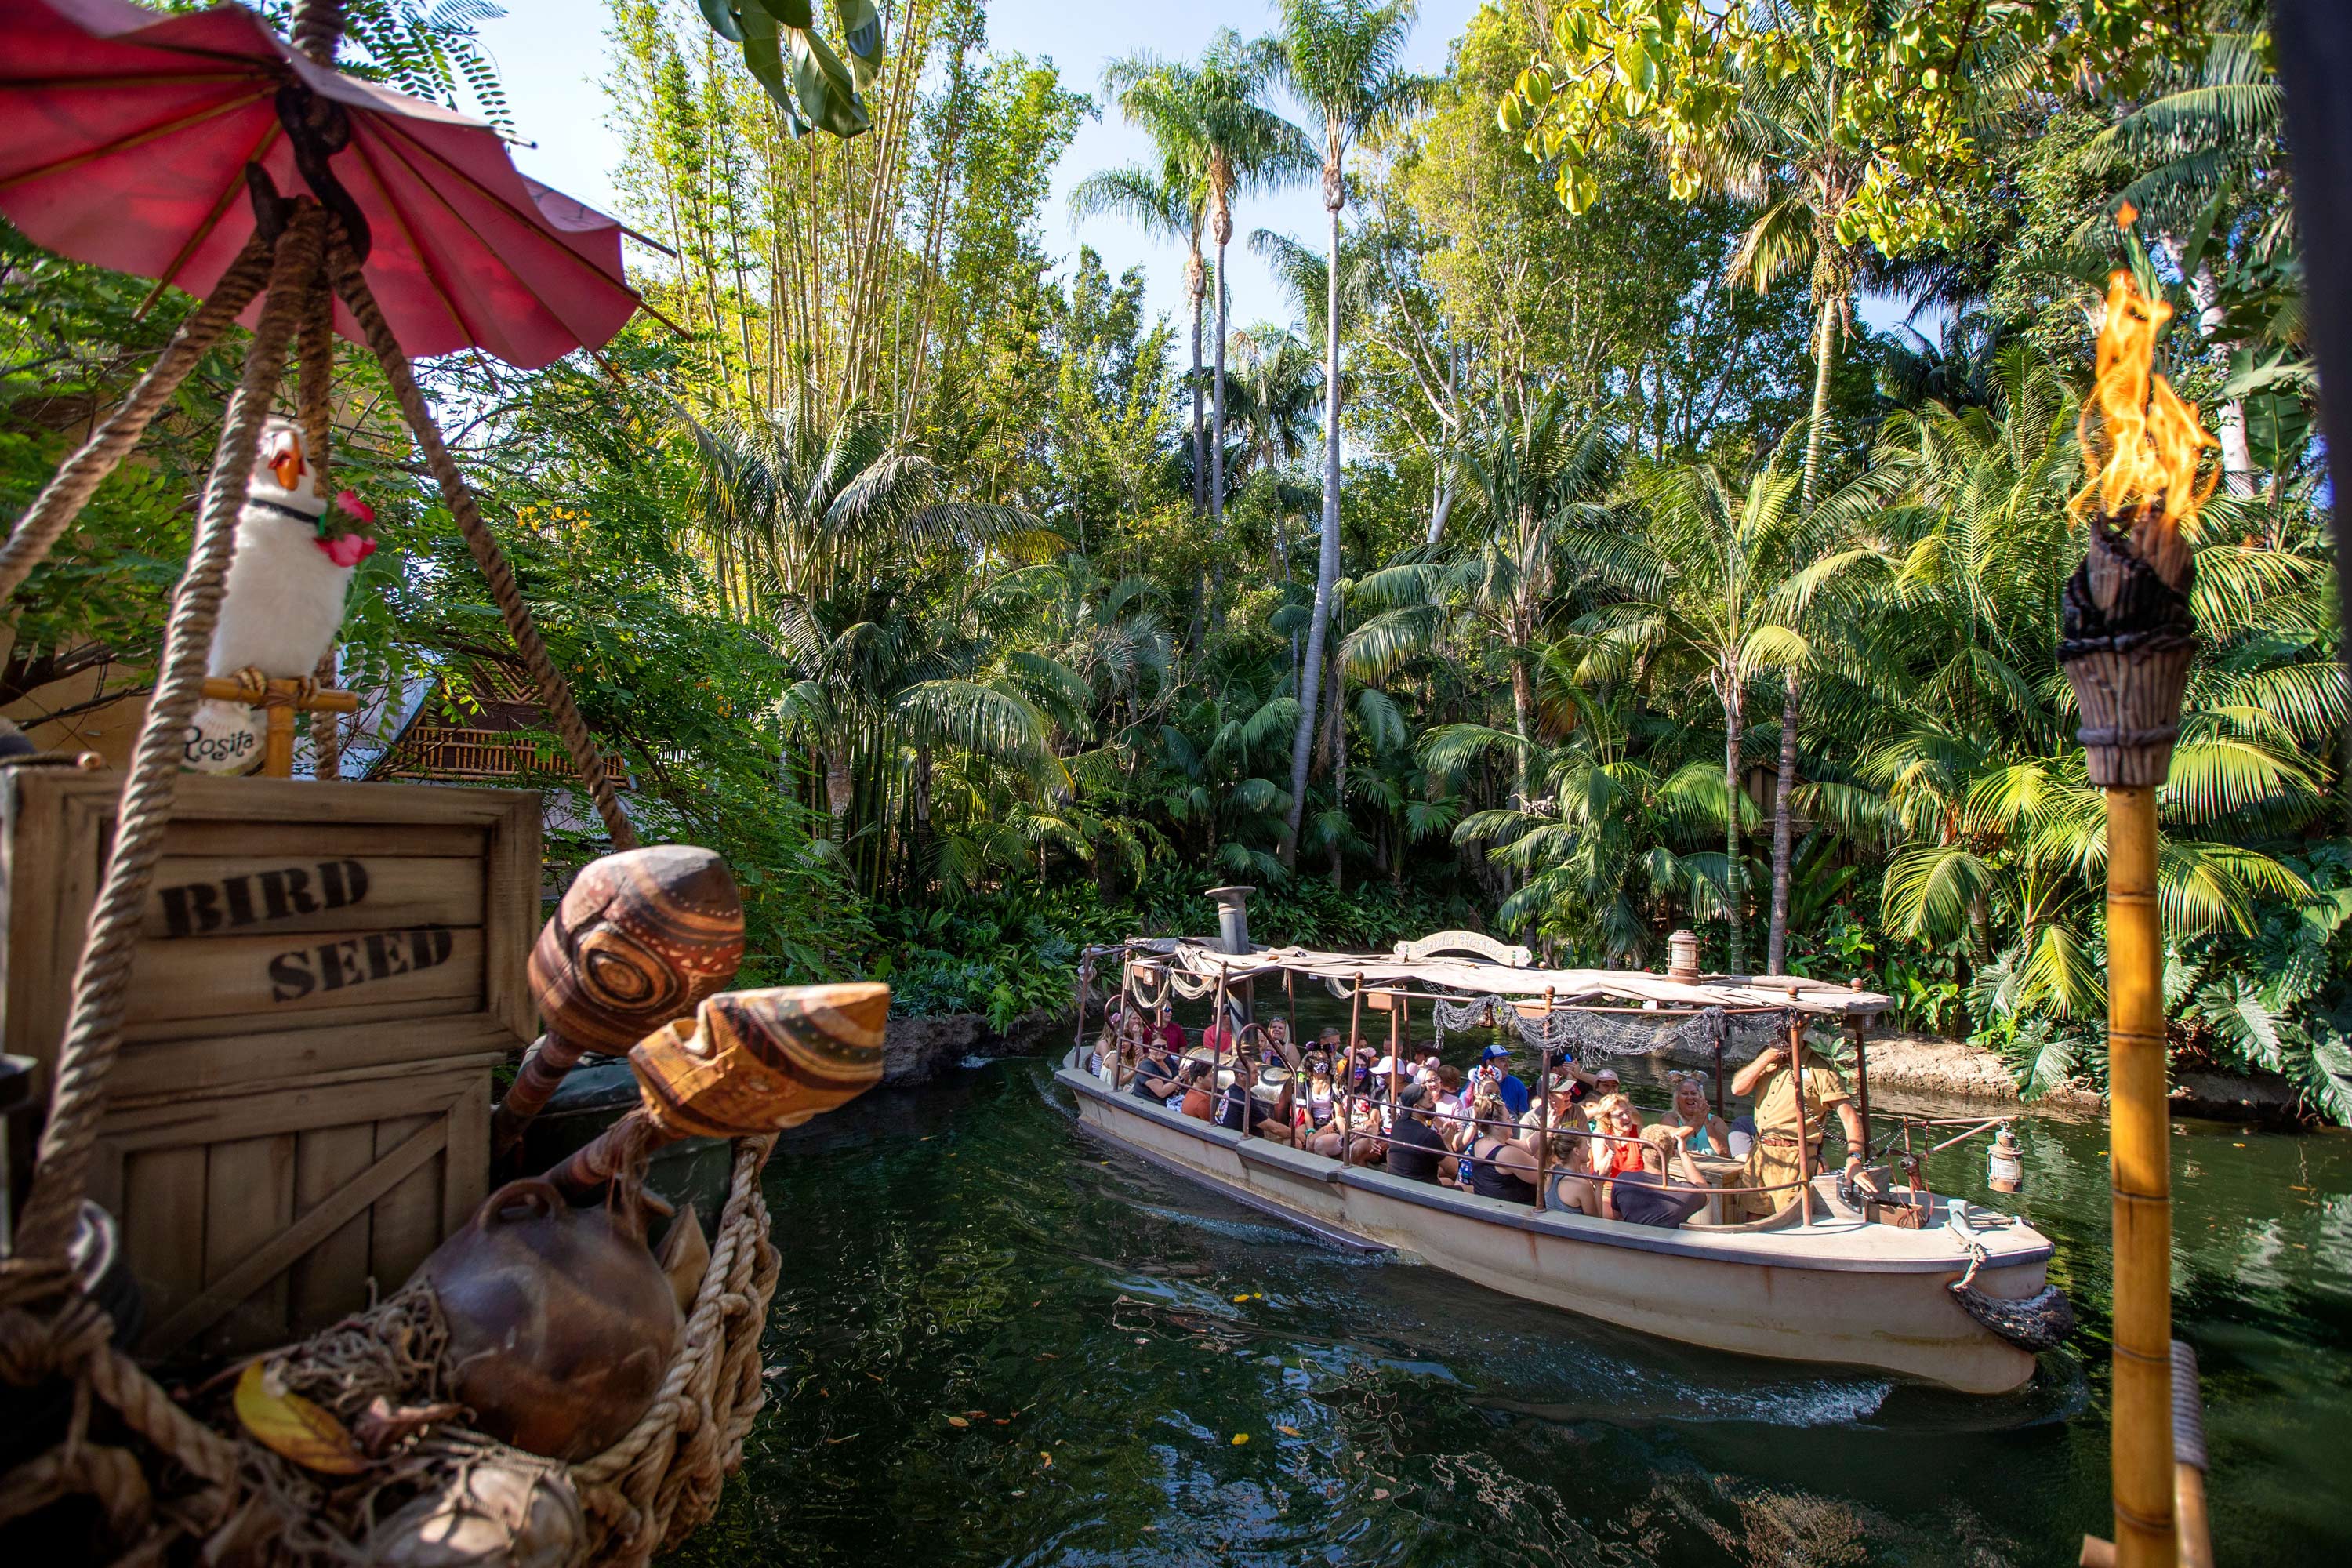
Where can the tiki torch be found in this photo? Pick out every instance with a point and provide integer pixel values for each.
(639, 939)
(748, 1062)
(2126, 642)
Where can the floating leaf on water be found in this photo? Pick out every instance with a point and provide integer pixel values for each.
(293, 1427)
(1046, 1458)
(958, 1421)
(1004, 1420)
(1239, 1300)
(1380, 1494)
(1287, 1431)
(1239, 1438)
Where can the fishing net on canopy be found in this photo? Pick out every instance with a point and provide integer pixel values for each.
(1572, 1032)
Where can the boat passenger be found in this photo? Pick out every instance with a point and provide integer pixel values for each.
(1195, 1077)
(1708, 1135)
(1105, 1049)
(1270, 1104)
(1772, 1160)
(1167, 1031)
(1665, 1190)
(1558, 1113)
(1275, 1045)
(1621, 1150)
(1514, 1093)
(1607, 1090)
(1315, 1118)
(1414, 1148)
(1154, 1076)
(1481, 1168)
(1233, 1102)
(1569, 1169)
(1364, 1142)
(1449, 1108)
(1221, 1036)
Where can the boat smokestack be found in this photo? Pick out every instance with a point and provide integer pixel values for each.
(1233, 917)
(1682, 956)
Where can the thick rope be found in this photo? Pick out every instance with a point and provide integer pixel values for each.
(61, 500)
(315, 353)
(555, 693)
(94, 1029)
(318, 28)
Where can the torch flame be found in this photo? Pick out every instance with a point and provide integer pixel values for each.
(2141, 457)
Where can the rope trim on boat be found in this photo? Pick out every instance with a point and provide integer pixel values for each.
(2041, 1321)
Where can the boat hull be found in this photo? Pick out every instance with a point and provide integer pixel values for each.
(1841, 1291)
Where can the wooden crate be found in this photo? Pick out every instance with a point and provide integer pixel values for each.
(256, 1217)
(292, 927)
(326, 975)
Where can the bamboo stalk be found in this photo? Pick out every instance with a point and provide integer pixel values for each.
(2140, 1176)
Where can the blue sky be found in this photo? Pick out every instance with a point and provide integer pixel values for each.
(550, 55)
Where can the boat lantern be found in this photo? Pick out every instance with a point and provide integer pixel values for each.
(1682, 956)
(2005, 1163)
(1233, 917)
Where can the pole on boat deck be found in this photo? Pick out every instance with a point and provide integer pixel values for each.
(1722, 1027)
(1397, 1022)
(1216, 1063)
(1347, 1077)
(1804, 1122)
(1290, 998)
(1543, 1108)
(1862, 1083)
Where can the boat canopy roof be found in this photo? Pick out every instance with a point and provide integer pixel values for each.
(1470, 964)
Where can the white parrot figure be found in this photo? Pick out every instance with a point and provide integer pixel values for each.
(282, 604)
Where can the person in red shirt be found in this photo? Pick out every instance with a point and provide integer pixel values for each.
(1222, 1038)
(1167, 1031)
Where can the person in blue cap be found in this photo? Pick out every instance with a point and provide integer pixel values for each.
(1495, 1061)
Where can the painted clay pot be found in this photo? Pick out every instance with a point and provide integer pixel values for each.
(757, 1061)
(561, 1323)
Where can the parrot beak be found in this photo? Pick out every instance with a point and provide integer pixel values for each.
(286, 461)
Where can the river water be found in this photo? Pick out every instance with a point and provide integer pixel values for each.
(999, 1342)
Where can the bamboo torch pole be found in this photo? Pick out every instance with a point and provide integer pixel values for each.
(2126, 642)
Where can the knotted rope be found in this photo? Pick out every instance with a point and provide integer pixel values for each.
(554, 692)
(94, 1027)
(79, 477)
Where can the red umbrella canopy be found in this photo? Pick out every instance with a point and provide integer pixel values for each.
(127, 135)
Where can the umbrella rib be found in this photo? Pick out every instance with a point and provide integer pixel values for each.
(211, 221)
(424, 262)
(534, 220)
(158, 78)
(135, 138)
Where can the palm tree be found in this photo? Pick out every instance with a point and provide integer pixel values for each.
(1237, 142)
(1340, 59)
(1170, 202)
(1537, 484)
(1713, 621)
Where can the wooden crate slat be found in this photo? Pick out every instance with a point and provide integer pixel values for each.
(199, 898)
(329, 1279)
(160, 1058)
(407, 1219)
(249, 1199)
(282, 976)
(166, 1187)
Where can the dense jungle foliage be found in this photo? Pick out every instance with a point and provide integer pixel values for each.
(1576, 563)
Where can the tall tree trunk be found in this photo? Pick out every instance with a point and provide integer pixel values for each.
(1217, 415)
(1776, 945)
(1826, 336)
(1327, 565)
(1733, 722)
(1339, 773)
(1523, 708)
(1195, 287)
(838, 789)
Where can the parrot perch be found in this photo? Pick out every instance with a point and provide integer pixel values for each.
(283, 601)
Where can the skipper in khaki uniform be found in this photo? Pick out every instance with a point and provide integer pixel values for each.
(1774, 1160)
